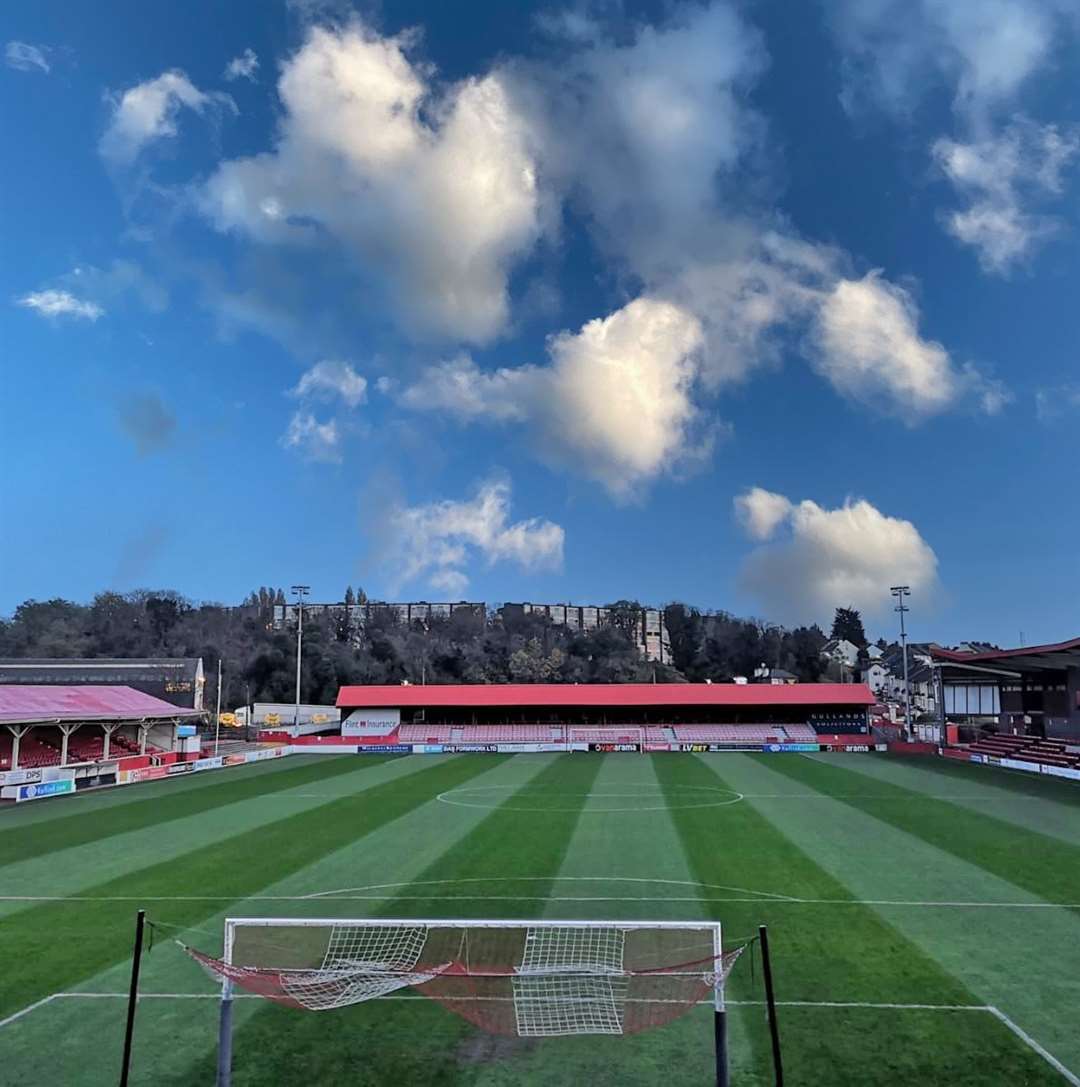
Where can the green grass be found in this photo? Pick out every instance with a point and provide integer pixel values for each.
(848, 861)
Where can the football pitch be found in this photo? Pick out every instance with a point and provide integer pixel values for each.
(924, 916)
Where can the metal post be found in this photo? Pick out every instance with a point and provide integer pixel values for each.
(300, 592)
(719, 1014)
(720, 1039)
(901, 591)
(770, 1003)
(224, 1059)
(217, 719)
(133, 997)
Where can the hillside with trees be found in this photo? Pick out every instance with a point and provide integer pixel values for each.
(259, 661)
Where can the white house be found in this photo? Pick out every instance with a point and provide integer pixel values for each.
(841, 651)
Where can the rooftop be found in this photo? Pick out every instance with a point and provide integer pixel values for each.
(608, 694)
(26, 703)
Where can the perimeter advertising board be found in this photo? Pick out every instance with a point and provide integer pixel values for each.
(364, 721)
(44, 788)
(378, 749)
(614, 747)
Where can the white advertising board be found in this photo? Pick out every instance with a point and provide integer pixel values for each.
(368, 721)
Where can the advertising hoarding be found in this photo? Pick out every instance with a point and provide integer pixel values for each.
(35, 791)
(375, 720)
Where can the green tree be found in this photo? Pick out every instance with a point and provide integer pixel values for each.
(848, 624)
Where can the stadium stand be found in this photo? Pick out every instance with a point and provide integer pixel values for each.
(612, 734)
(32, 753)
(1027, 749)
(620, 734)
(424, 734)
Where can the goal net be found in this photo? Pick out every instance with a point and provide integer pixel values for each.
(529, 979)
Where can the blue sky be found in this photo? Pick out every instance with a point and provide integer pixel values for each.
(760, 306)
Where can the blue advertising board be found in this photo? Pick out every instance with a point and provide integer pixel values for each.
(385, 749)
(45, 788)
(185, 730)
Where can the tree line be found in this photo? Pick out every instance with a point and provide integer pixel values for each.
(259, 661)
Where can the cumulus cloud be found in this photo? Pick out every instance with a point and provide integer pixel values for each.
(313, 440)
(615, 401)
(24, 57)
(823, 558)
(437, 541)
(985, 52)
(59, 303)
(760, 512)
(866, 343)
(242, 67)
(642, 131)
(148, 422)
(897, 49)
(434, 194)
(999, 175)
(148, 112)
(332, 378)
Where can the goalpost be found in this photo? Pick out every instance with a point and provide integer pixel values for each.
(530, 979)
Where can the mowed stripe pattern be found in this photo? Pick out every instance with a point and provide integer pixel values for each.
(563, 836)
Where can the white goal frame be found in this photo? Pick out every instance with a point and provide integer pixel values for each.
(234, 924)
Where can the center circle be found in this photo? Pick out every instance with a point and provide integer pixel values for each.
(645, 797)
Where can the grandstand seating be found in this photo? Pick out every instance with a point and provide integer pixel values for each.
(613, 734)
(1027, 749)
(42, 747)
(605, 734)
(32, 753)
(801, 734)
(730, 734)
(424, 734)
(509, 734)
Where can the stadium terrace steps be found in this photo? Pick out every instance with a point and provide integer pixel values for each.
(613, 733)
(1027, 749)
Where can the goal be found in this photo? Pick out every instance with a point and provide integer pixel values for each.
(532, 979)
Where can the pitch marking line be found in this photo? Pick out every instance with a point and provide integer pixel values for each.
(997, 1013)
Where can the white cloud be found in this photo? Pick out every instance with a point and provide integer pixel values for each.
(867, 344)
(58, 303)
(761, 512)
(242, 67)
(24, 57)
(997, 175)
(436, 542)
(333, 378)
(848, 556)
(148, 112)
(434, 195)
(615, 401)
(1052, 404)
(316, 441)
(644, 133)
(898, 49)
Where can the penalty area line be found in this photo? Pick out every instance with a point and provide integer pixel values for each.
(1036, 1047)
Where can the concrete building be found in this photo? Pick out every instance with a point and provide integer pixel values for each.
(648, 628)
(360, 615)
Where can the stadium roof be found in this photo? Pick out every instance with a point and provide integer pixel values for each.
(608, 694)
(1032, 658)
(27, 704)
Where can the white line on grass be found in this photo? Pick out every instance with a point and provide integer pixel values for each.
(703, 899)
(1024, 1037)
(1029, 1041)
